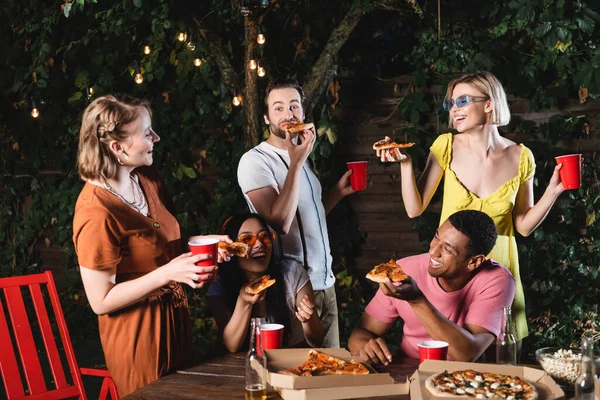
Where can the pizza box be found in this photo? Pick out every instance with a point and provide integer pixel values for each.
(352, 392)
(281, 359)
(546, 387)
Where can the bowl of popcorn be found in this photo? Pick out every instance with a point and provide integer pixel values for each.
(563, 365)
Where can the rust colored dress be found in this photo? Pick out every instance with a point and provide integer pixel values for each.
(150, 338)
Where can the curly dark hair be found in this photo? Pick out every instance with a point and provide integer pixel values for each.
(478, 227)
(232, 277)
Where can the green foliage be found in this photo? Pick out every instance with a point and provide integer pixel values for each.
(542, 50)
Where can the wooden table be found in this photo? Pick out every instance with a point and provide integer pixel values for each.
(222, 377)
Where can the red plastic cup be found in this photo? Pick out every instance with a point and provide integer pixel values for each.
(272, 336)
(206, 246)
(432, 350)
(570, 173)
(358, 179)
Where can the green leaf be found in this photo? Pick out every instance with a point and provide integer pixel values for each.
(586, 24)
(41, 83)
(75, 98)
(137, 3)
(542, 29)
(187, 171)
(81, 80)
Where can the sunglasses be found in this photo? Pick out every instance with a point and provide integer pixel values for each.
(250, 240)
(462, 101)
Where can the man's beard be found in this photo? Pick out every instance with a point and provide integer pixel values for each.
(277, 131)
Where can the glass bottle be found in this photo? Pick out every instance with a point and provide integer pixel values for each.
(584, 385)
(506, 345)
(256, 365)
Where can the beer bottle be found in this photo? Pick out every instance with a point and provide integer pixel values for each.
(256, 365)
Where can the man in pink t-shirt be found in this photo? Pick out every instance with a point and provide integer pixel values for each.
(453, 293)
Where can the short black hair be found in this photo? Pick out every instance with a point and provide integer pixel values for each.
(478, 227)
(283, 84)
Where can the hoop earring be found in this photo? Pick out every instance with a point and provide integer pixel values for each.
(119, 160)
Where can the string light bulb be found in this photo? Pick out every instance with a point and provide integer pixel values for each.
(253, 65)
(190, 46)
(261, 39)
(147, 50)
(182, 36)
(91, 90)
(261, 72)
(34, 110)
(237, 100)
(197, 62)
(138, 78)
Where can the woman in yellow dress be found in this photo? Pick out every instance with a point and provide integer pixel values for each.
(482, 171)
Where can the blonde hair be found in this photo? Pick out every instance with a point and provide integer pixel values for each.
(491, 87)
(103, 121)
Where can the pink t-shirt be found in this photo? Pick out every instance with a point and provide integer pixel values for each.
(479, 302)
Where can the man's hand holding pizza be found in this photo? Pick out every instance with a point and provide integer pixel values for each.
(299, 152)
(406, 290)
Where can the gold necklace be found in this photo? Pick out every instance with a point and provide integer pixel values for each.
(137, 205)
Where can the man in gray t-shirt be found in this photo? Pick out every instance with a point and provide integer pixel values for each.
(278, 184)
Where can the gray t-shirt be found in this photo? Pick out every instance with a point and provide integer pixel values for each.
(295, 278)
(262, 167)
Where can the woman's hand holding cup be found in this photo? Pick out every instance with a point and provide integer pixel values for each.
(183, 269)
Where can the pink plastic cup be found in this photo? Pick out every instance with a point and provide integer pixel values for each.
(570, 173)
(272, 336)
(358, 179)
(432, 350)
(206, 246)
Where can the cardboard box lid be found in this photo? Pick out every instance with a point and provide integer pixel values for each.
(281, 359)
(353, 392)
(545, 385)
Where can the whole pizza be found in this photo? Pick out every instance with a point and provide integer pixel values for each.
(480, 385)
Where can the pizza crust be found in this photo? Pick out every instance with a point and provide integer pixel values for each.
(259, 284)
(298, 127)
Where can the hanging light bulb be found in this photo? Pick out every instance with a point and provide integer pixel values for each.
(253, 64)
(261, 39)
(237, 100)
(197, 62)
(147, 50)
(34, 110)
(261, 72)
(91, 90)
(139, 78)
(190, 46)
(182, 36)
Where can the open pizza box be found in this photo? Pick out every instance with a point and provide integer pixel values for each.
(327, 386)
(546, 387)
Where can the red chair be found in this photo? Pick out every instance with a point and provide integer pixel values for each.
(26, 362)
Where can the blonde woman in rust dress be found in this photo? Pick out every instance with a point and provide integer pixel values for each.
(482, 171)
(128, 246)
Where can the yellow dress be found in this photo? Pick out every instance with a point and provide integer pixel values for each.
(498, 206)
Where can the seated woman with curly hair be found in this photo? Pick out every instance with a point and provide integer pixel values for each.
(288, 302)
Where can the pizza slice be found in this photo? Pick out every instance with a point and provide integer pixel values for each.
(259, 284)
(324, 364)
(388, 143)
(389, 269)
(296, 127)
(235, 249)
